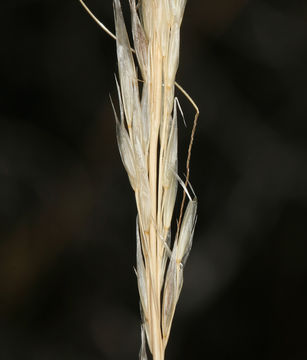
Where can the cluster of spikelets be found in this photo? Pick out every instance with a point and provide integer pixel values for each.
(147, 138)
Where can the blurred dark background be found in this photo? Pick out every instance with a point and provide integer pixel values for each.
(67, 213)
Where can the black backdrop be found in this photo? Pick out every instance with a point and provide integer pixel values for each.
(67, 213)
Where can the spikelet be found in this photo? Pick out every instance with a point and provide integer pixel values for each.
(147, 135)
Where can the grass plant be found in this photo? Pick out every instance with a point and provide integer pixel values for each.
(147, 136)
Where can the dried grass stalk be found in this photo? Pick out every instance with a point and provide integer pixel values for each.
(148, 140)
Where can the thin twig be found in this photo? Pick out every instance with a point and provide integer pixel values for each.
(189, 153)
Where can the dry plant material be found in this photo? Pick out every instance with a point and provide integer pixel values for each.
(147, 136)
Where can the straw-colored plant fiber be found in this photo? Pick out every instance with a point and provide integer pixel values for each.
(147, 136)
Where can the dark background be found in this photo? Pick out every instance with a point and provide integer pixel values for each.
(67, 213)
